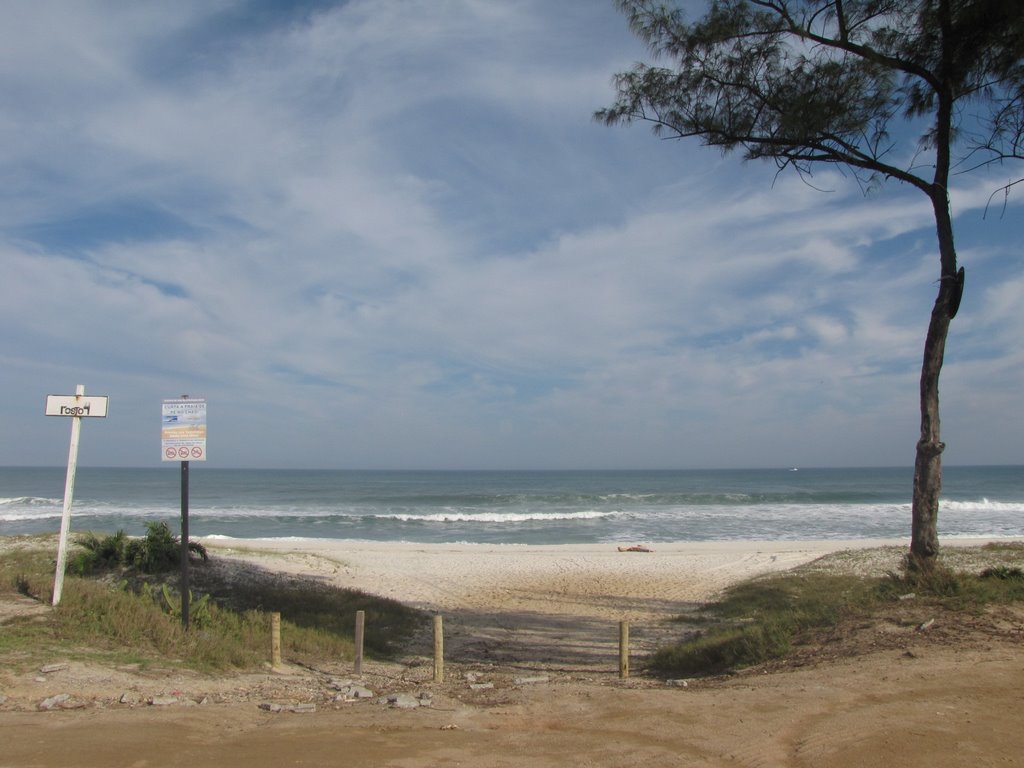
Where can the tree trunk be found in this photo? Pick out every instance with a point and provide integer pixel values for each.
(924, 540)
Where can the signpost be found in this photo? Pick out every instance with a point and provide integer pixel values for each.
(183, 438)
(77, 406)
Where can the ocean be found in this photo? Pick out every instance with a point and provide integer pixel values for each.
(514, 507)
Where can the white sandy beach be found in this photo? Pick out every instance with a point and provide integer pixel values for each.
(589, 579)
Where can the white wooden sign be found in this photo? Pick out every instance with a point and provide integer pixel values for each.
(76, 405)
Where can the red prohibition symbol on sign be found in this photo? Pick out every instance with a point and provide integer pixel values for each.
(196, 452)
(170, 453)
(183, 452)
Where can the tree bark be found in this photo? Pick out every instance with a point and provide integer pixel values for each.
(924, 541)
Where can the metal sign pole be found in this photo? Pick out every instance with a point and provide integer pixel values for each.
(183, 438)
(69, 492)
(184, 545)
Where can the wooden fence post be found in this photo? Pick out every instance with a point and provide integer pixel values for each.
(358, 640)
(623, 649)
(275, 640)
(438, 649)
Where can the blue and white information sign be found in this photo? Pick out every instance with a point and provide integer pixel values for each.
(183, 429)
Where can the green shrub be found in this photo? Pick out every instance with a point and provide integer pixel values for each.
(934, 579)
(158, 551)
(1001, 584)
(98, 553)
(962, 590)
(171, 602)
(761, 620)
(724, 648)
(1003, 573)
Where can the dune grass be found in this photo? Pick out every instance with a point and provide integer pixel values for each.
(760, 620)
(764, 619)
(122, 615)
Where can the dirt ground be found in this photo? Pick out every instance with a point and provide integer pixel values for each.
(885, 695)
(941, 707)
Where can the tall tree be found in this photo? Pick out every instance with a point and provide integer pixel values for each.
(805, 82)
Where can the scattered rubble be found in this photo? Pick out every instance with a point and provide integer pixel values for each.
(531, 680)
(349, 691)
(60, 701)
(408, 701)
(299, 709)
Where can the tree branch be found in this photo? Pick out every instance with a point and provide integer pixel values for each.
(843, 43)
(1005, 189)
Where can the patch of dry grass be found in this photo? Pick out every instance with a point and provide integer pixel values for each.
(123, 615)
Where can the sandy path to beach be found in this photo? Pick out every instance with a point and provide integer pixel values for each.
(539, 606)
(591, 579)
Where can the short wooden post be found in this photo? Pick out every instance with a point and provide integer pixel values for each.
(623, 649)
(275, 640)
(438, 649)
(358, 640)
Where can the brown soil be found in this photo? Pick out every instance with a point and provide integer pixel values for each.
(878, 695)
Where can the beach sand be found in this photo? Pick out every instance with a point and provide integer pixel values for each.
(528, 605)
(585, 579)
(531, 674)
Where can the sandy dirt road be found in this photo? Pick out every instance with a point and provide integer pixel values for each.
(935, 708)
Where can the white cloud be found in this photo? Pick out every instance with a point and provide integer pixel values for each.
(389, 234)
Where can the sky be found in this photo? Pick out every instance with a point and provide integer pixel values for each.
(389, 234)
